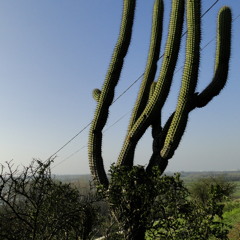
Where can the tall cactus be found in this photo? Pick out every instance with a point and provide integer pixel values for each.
(152, 94)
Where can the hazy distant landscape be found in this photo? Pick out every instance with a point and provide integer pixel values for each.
(187, 177)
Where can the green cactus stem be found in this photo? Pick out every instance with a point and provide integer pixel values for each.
(153, 92)
(162, 87)
(189, 80)
(222, 57)
(151, 66)
(107, 94)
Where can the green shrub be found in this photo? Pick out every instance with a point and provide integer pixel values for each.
(201, 188)
(162, 206)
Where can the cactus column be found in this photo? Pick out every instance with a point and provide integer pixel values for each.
(152, 94)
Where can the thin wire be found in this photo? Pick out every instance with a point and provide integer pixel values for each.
(54, 154)
(236, 17)
(123, 116)
(209, 9)
(71, 155)
(74, 153)
(123, 91)
(128, 88)
(202, 48)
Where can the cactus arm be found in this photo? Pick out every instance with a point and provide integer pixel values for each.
(222, 57)
(151, 66)
(96, 94)
(213, 89)
(164, 81)
(158, 141)
(156, 120)
(156, 144)
(162, 87)
(156, 131)
(106, 95)
(189, 81)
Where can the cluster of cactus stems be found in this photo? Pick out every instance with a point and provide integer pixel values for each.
(154, 91)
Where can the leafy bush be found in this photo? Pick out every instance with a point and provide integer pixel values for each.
(161, 206)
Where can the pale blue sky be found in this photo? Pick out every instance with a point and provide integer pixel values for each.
(53, 53)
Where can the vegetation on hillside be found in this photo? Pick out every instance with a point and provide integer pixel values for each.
(34, 205)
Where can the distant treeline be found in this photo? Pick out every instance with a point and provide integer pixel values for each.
(232, 176)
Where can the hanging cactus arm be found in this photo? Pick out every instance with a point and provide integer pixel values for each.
(189, 80)
(151, 66)
(105, 96)
(222, 57)
(157, 100)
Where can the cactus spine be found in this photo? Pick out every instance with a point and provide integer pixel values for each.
(152, 95)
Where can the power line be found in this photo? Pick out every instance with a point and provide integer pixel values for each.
(70, 140)
(236, 17)
(76, 135)
(123, 116)
(74, 153)
(128, 88)
(209, 8)
(71, 155)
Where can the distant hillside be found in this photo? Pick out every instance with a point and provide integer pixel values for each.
(73, 178)
(229, 175)
(186, 176)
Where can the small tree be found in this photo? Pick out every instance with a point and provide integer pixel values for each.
(35, 206)
(201, 188)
